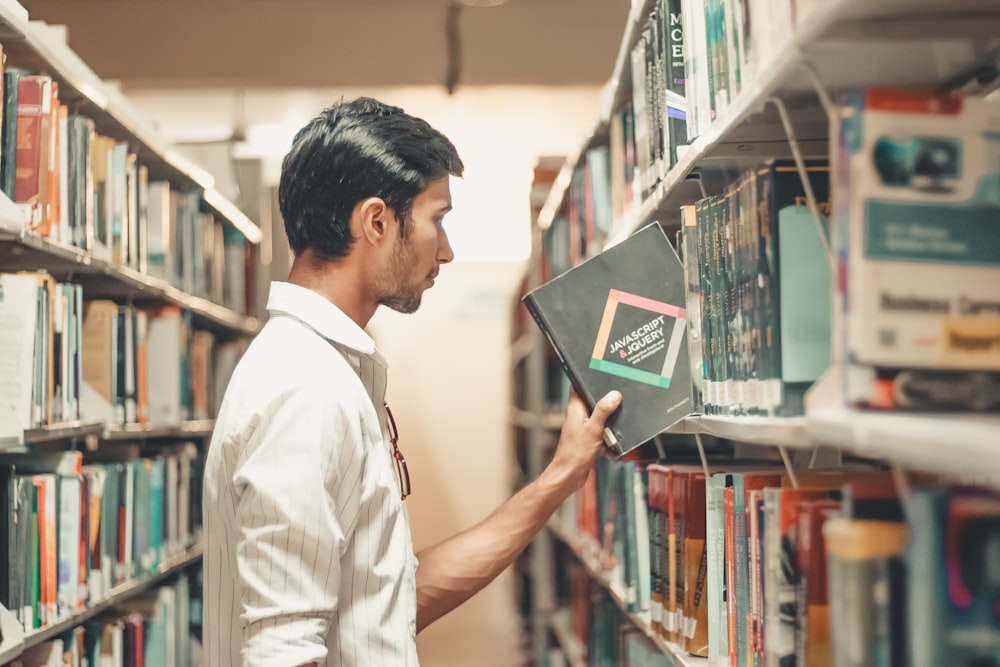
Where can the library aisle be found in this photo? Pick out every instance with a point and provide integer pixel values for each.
(820, 489)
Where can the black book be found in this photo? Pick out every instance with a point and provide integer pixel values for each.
(618, 321)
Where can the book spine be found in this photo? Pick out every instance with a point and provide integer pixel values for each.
(581, 389)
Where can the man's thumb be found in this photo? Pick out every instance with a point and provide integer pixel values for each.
(608, 404)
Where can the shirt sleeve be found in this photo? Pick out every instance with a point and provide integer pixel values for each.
(298, 496)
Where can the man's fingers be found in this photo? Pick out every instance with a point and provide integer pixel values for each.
(576, 409)
(608, 404)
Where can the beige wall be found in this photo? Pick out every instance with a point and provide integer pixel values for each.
(449, 365)
(448, 391)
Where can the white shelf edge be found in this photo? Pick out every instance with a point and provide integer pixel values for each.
(127, 275)
(190, 428)
(557, 192)
(783, 431)
(963, 445)
(13, 636)
(610, 90)
(233, 214)
(14, 15)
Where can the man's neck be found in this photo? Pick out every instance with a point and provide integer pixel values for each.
(339, 282)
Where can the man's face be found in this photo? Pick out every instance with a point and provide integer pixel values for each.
(417, 257)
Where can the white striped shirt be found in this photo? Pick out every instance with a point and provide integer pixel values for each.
(308, 554)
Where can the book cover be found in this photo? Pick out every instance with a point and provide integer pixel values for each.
(617, 321)
(918, 250)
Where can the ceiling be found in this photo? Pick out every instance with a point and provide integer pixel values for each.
(303, 43)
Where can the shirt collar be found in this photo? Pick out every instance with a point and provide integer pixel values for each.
(321, 315)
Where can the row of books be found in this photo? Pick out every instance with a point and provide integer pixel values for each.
(90, 191)
(827, 568)
(602, 196)
(73, 530)
(70, 359)
(894, 277)
(608, 637)
(658, 96)
(760, 283)
(726, 43)
(150, 630)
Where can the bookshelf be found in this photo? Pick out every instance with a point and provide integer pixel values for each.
(785, 109)
(584, 552)
(104, 279)
(836, 40)
(41, 47)
(20, 642)
(158, 495)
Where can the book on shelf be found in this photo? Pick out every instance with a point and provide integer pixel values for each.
(79, 187)
(75, 528)
(917, 209)
(617, 322)
(763, 286)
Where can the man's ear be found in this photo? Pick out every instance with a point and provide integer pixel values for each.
(371, 217)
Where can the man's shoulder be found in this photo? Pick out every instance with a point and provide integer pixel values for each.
(287, 347)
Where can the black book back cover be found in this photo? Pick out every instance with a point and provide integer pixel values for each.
(618, 321)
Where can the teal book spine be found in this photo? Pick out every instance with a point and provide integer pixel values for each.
(155, 513)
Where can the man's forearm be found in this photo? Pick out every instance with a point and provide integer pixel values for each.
(451, 571)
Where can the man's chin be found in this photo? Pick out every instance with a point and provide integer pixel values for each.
(403, 305)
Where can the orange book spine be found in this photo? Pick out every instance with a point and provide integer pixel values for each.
(730, 548)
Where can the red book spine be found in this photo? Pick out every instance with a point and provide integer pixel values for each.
(28, 155)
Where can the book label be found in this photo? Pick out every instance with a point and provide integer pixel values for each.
(645, 339)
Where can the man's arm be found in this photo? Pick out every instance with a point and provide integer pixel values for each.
(452, 571)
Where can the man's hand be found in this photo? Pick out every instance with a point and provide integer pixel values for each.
(582, 439)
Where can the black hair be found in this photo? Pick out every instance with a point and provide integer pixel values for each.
(349, 152)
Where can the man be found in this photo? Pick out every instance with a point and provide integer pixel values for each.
(308, 555)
